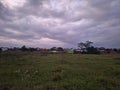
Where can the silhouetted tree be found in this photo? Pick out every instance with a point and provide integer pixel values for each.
(84, 45)
(88, 44)
(60, 49)
(81, 45)
(88, 48)
(32, 49)
(23, 48)
(53, 48)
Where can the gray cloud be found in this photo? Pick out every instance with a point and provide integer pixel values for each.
(47, 23)
(5, 14)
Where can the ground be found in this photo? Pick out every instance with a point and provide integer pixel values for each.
(32, 71)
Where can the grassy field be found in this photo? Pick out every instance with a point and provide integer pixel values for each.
(31, 71)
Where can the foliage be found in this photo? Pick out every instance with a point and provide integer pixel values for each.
(87, 44)
(88, 48)
(24, 48)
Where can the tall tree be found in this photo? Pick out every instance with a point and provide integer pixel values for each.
(88, 44)
(81, 45)
(85, 45)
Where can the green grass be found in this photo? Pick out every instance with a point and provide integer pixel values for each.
(31, 71)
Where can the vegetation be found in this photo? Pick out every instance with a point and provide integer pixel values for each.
(31, 71)
(88, 48)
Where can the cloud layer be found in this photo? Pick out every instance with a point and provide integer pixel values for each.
(48, 23)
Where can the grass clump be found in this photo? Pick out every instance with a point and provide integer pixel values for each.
(57, 74)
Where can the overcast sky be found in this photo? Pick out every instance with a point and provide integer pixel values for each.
(64, 23)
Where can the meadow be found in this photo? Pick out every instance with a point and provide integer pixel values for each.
(33, 71)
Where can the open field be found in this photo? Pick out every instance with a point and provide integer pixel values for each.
(31, 71)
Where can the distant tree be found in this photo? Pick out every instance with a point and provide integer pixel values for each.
(60, 49)
(115, 50)
(24, 48)
(53, 48)
(81, 45)
(32, 49)
(85, 45)
(88, 44)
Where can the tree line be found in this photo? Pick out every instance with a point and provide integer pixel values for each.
(82, 48)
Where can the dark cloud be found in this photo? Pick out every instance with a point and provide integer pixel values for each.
(47, 23)
(5, 13)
